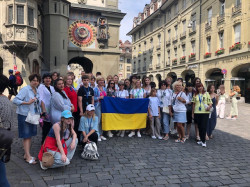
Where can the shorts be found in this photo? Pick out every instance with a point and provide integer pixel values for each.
(180, 117)
(25, 130)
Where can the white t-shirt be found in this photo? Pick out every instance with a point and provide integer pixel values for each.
(190, 97)
(154, 103)
(122, 94)
(177, 105)
(164, 97)
(137, 93)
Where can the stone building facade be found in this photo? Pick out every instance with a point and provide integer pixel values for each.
(125, 66)
(48, 35)
(197, 38)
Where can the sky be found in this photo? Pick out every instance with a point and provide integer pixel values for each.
(131, 8)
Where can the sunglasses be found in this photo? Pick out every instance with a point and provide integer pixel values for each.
(121, 84)
(112, 83)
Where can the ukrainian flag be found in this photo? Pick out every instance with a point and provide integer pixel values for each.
(124, 114)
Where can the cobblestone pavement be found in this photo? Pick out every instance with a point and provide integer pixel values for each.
(147, 162)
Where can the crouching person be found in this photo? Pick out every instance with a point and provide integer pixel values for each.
(61, 142)
(89, 126)
(89, 137)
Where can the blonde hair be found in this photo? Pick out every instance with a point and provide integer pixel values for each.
(109, 76)
(86, 115)
(98, 78)
(65, 78)
(236, 88)
(175, 84)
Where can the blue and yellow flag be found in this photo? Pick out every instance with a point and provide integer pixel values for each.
(124, 114)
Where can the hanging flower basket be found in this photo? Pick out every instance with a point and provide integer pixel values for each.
(192, 56)
(207, 55)
(183, 59)
(220, 51)
(236, 46)
(174, 61)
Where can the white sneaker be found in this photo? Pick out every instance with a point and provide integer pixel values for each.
(103, 138)
(153, 137)
(99, 139)
(199, 142)
(131, 134)
(110, 135)
(41, 164)
(160, 138)
(138, 134)
(122, 134)
(119, 133)
(203, 144)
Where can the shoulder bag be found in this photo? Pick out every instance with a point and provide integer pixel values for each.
(33, 118)
(48, 158)
(90, 152)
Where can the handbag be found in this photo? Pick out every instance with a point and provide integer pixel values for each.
(33, 118)
(165, 109)
(90, 152)
(6, 139)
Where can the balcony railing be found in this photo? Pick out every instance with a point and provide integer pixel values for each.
(168, 42)
(175, 39)
(183, 35)
(208, 25)
(134, 71)
(158, 47)
(150, 67)
(192, 57)
(220, 51)
(183, 59)
(158, 66)
(138, 70)
(221, 18)
(192, 31)
(236, 9)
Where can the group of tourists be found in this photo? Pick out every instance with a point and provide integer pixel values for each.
(70, 111)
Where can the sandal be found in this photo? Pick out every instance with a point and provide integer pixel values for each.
(183, 140)
(31, 161)
(166, 138)
(177, 141)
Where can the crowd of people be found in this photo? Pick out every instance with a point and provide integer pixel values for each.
(71, 111)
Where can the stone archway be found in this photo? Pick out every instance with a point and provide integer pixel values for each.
(215, 77)
(1, 65)
(86, 63)
(188, 75)
(173, 76)
(241, 77)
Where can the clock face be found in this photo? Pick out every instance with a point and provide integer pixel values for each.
(82, 33)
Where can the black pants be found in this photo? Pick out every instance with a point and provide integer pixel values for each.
(45, 129)
(93, 138)
(76, 116)
(202, 120)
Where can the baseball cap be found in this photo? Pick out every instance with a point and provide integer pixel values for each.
(90, 107)
(10, 71)
(66, 114)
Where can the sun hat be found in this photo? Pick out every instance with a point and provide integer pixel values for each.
(90, 107)
(66, 114)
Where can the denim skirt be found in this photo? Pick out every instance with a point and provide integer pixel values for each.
(180, 117)
(25, 130)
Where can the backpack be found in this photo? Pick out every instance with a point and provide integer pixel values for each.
(90, 152)
(19, 80)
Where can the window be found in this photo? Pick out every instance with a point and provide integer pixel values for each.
(120, 66)
(35, 67)
(20, 14)
(158, 59)
(128, 60)
(169, 57)
(128, 75)
(145, 46)
(128, 68)
(139, 63)
(30, 17)
(139, 34)
(193, 18)
(151, 27)
(134, 64)
(183, 50)
(184, 26)
(238, 2)
(10, 14)
(159, 39)
(151, 43)
(175, 52)
(221, 38)
(209, 13)
(55, 7)
(222, 8)
(151, 60)
(184, 4)
(144, 31)
(169, 15)
(134, 37)
(169, 34)
(208, 44)
(140, 47)
(176, 31)
(193, 46)
(121, 58)
(237, 33)
(176, 8)
(127, 50)
(159, 3)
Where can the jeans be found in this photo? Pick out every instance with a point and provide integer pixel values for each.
(99, 115)
(57, 155)
(3, 179)
(166, 119)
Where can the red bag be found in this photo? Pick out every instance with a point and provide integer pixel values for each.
(19, 79)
